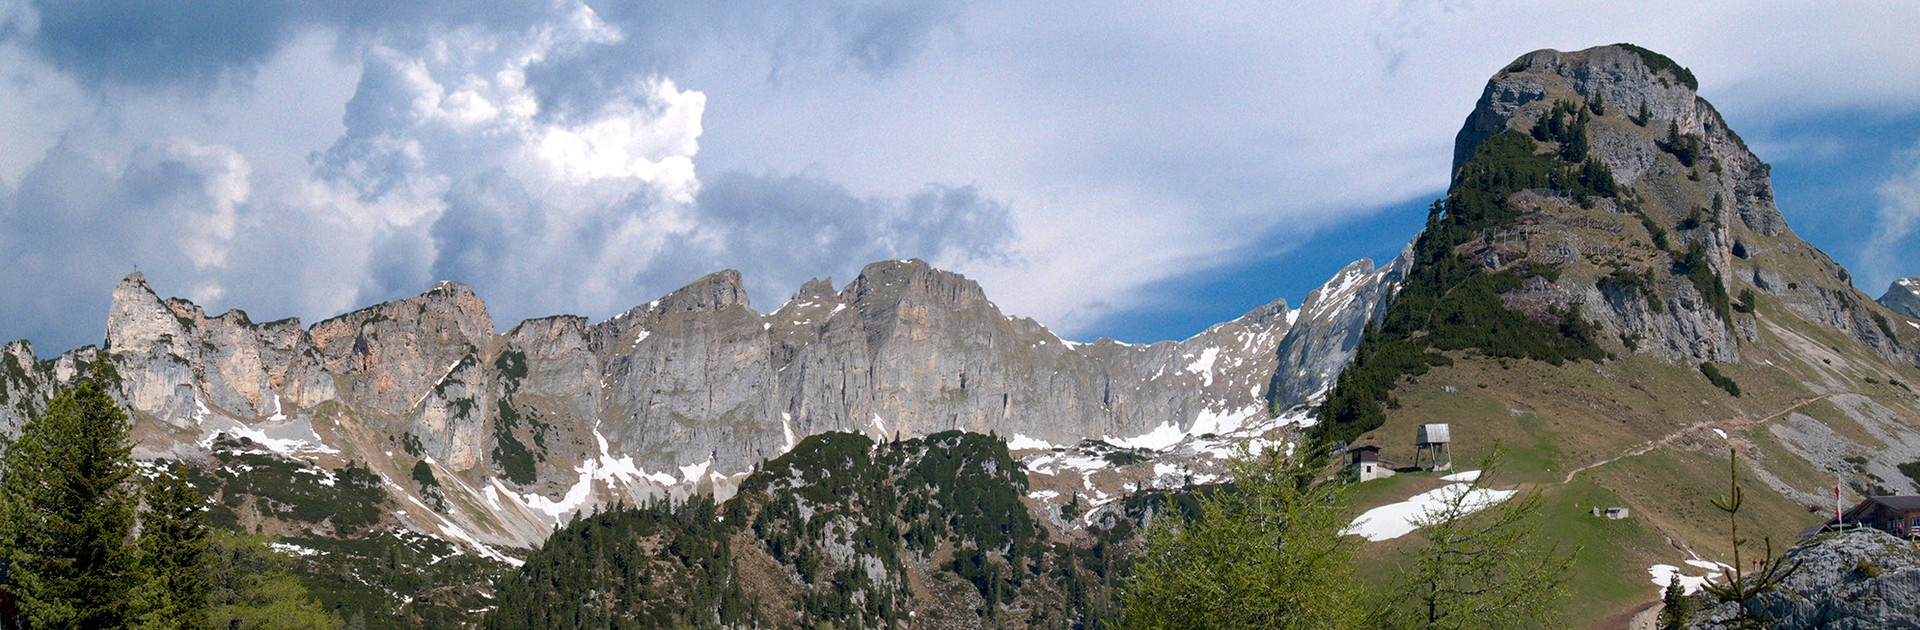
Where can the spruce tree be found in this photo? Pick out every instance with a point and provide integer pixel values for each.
(1675, 608)
(172, 557)
(66, 509)
(1743, 585)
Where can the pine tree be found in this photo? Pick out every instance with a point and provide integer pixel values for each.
(1267, 554)
(173, 557)
(66, 509)
(250, 586)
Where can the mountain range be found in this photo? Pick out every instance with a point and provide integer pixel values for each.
(1608, 292)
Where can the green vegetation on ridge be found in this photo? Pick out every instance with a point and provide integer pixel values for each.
(1450, 303)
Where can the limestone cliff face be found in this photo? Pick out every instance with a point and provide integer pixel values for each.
(175, 362)
(1331, 322)
(24, 381)
(683, 394)
(1685, 180)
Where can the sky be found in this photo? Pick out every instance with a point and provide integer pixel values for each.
(1133, 170)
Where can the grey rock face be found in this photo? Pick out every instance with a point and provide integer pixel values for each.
(24, 381)
(1850, 580)
(389, 354)
(1722, 202)
(1331, 322)
(683, 394)
(1903, 296)
(175, 362)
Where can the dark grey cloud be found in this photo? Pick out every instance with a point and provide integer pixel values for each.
(73, 228)
(201, 43)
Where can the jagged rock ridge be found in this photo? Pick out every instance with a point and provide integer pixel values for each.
(684, 394)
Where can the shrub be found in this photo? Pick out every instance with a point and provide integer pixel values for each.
(1658, 63)
(1720, 380)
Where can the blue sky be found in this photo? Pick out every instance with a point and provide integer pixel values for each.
(1113, 169)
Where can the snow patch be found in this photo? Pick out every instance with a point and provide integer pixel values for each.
(693, 472)
(1465, 475)
(786, 426)
(293, 549)
(1398, 519)
(1222, 422)
(286, 438)
(1024, 443)
(1159, 438)
(1665, 574)
(880, 426)
(1204, 365)
(1722, 434)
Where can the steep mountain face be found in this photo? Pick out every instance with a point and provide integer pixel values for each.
(1903, 297)
(1332, 320)
(1687, 178)
(489, 440)
(1609, 292)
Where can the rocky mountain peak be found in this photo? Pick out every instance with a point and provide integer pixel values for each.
(1634, 84)
(1903, 296)
(711, 292)
(405, 346)
(138, 320)
(893, 282)
(815, 290)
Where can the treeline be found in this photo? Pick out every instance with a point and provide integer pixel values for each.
(1448, 302)
(835, 533)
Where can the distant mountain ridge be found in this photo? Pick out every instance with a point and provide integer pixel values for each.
(1609, 286)
(684, 394)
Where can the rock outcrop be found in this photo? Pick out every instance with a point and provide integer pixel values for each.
(1857, 579)
(1329, 326)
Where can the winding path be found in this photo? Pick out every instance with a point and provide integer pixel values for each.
(1667, 440)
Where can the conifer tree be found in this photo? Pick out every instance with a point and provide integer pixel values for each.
(1675, 608)
(1742, 585)
(1484, 569)
(66, 509)
(172, 557)
(1267, 554)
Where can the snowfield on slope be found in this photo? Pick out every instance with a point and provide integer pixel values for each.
(1394, 520)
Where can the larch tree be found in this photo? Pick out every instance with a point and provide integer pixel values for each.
(1483, 566)
(1266, 554)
